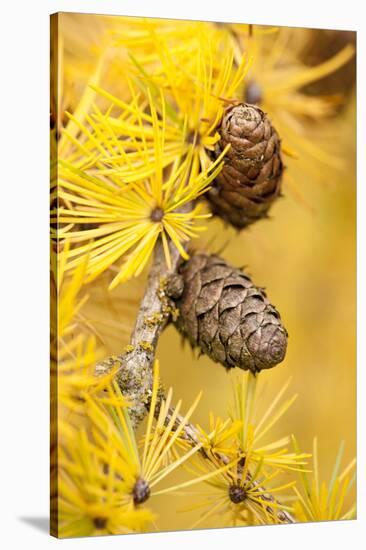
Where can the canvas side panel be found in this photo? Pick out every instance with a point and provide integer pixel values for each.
(54, 126)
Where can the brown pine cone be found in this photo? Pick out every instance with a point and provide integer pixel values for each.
(229, 318)
(250, 179)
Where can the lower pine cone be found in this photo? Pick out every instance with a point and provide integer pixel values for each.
(228, 317)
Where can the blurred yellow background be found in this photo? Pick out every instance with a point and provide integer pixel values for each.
(305, 257)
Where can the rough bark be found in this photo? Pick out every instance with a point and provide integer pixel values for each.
(135, 365)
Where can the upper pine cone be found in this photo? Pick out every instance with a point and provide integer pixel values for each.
(250, 179)
(230, 319)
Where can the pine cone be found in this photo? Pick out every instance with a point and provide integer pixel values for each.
(229, 318)
(250, 179)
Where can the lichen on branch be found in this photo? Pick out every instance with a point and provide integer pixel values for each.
(134, 372)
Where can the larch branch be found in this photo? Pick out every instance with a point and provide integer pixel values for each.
(135, 367)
